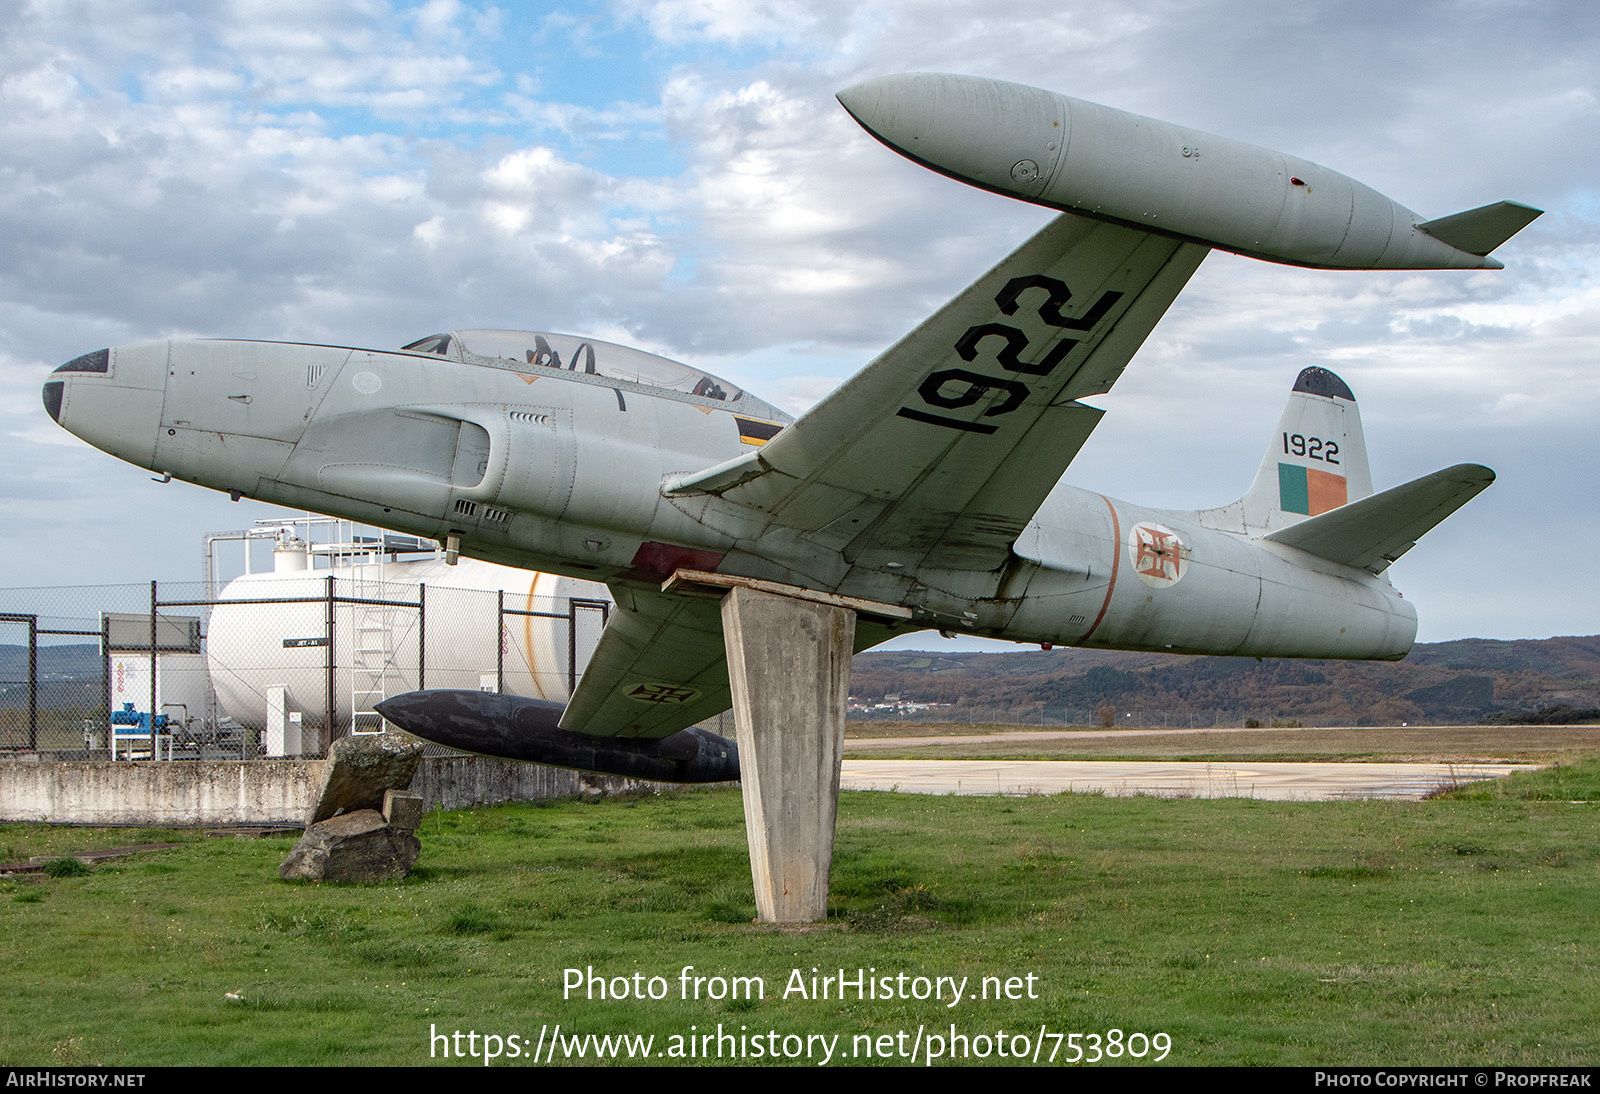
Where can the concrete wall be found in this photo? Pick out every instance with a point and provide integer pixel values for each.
(456, 782)
(219, 792)
(254, 792)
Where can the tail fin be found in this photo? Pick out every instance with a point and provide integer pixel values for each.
(1479, 231)
(1316, 461)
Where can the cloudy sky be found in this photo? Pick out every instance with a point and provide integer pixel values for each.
(676, 174)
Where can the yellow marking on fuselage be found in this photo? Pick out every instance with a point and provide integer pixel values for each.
(527, 637)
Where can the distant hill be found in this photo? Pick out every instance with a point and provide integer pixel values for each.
(1466, 681)
(72, 662)
(69, 676)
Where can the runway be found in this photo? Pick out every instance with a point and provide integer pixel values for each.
(1168, 779)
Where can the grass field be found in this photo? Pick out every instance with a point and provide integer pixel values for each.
(1454, 931)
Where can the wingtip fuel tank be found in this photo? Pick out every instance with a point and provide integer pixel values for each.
(1077, 156)
(519, 728)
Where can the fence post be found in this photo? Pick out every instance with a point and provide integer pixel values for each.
(33, 683)
(152, 673)
(422, 636)
(500, 643)
(331, 705)
(105, 671)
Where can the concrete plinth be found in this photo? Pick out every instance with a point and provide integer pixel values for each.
(789, 665)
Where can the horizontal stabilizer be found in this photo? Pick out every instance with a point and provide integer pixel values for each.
(1479, 231)
(1373, 532)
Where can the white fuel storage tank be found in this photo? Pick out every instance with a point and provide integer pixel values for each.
(272, 630)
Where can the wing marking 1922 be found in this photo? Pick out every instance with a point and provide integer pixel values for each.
(1009, 357)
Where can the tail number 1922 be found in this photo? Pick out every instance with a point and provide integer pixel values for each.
(1311, 448)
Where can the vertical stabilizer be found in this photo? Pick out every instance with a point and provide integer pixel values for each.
(1316, 460)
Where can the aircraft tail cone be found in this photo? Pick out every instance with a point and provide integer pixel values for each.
(519, 728)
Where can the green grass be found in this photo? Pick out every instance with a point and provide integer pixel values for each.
(1453, 931)
(66, 867)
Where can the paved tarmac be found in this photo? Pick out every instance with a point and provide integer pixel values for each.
(868, 744)
(1166, 778)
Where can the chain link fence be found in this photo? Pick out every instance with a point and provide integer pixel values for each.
(280, 666)
(288, 662)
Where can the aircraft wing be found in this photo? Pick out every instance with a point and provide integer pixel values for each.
(661, 666)
(943, 448)
(940, 450)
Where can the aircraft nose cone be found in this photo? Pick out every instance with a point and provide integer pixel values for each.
(112, 399)
(990, 133)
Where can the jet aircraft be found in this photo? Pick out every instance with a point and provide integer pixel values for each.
(924, 492)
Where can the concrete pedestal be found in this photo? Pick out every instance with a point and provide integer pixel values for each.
(789, 665)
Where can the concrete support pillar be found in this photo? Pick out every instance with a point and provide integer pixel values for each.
(789, 664)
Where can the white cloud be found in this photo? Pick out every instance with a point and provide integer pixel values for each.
(366, 171)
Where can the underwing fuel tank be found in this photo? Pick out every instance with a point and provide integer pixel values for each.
(1077, 156)
(526, 729)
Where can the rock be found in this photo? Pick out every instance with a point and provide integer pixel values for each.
(358, 846)
(361, 767)
(403, 810)
(349, 839)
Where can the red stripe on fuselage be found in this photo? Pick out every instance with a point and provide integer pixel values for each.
(1116, 559)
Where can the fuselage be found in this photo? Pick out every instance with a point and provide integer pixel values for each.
(551, 453)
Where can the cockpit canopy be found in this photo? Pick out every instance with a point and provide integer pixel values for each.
(531, 349)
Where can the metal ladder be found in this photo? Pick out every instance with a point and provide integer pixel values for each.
(372, 660)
